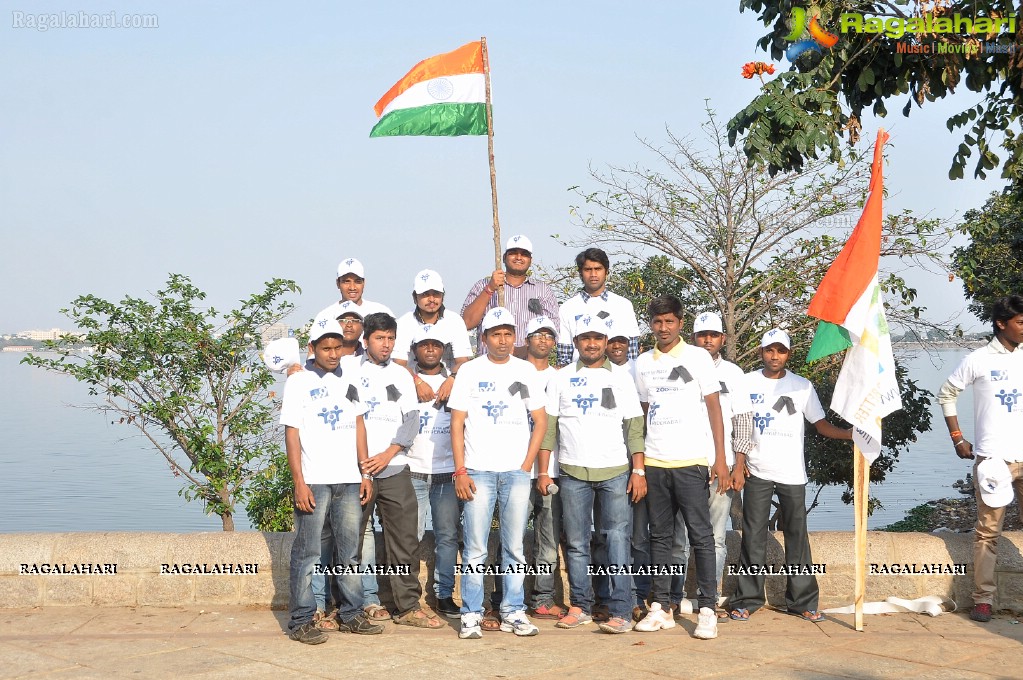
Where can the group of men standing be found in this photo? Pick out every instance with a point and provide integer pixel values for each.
(622, 458)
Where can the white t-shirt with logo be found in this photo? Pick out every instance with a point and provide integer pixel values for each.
(591, 404)
(449, 327)
(431, 451)
(496, 426)
(325, 419)
(385, 408)
(779, 408)
(677, 425)
(553, 469)
(617, 308)
(997, 379)
(734, 400)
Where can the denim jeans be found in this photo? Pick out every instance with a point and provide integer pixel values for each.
(341, 503)
(326, 557)
(668, 491)
(438, 503)
(509, 492)
(546, 537)
(368, 557)
(611, 518)
(720, 508)
(801, 592)
(641, 554)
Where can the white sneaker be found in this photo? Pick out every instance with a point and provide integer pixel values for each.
(471, 626)
(706, 624)
(656, 619)
(519, 623)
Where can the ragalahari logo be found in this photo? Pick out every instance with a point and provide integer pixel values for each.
(817, 39)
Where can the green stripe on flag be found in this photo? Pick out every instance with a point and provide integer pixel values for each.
(829, 339)
(445, 120)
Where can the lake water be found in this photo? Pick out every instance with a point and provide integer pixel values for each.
(69, 469)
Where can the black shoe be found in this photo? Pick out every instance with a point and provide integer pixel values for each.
(447, 607)
(308, 634)
(360, 625)
(981, 612)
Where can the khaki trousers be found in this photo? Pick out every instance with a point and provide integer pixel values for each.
(988, 529)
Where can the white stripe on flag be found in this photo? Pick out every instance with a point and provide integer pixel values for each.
(467, 88)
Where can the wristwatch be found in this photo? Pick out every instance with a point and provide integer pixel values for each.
(639, 471)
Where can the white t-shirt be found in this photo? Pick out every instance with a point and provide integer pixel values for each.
(325, 419)
(734, 400)
(628, 367)
(777, 454)
(366, 308)
(386, 408)
(496, 427)
(620, 309)
(553, 469)
(591, 404)
(450, 327)
(431, 451)
(677, 425)
(997, 379)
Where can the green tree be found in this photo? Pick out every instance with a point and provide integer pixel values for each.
(804, 113)
(991, 266)
(189, 379)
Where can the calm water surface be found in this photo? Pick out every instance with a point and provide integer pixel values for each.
(69, 469)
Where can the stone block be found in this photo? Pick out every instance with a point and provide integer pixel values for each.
(20, 591)
(264, 592)
(166, 590)
(221, 547)
(130, 551)
(68, 590)
(218, 589)
(115, 591)
(18, 549)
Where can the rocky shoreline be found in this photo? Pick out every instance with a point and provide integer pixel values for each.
(951, 514)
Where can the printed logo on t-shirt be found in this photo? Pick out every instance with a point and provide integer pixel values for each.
(999, 375)
(652, 410)
(577, 382)
(495, 411)
(487, 387)
(318, 393)
(584, 403)
(756, 398)
(424, 421)
(762, 421)
(1009, 399)
(332, 417)
(365, 382)
(372, 403)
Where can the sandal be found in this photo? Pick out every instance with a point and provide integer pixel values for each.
(491, 621)
(375, 612)
(548, 611)
(326, 622)
(812, 616)
(419, 618)
(739, 615)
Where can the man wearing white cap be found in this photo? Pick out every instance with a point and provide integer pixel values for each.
(596, 300)
(737, 417)
(494, 452)
(351, 282)
(431, 465)
(996, 373)
(524, 295)
(325, 437)
(429, 312)
(594, 414)
(780, 401)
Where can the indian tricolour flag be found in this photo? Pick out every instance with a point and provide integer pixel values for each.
(849, 304)
(444, 95)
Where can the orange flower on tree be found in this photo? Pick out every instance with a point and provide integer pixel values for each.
(757, 68)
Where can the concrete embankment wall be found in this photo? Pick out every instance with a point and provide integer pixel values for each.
(130, 567)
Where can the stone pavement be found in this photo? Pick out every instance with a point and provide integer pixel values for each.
(239, 642)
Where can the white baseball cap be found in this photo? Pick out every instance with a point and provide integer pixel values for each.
(427, 280)
(351, 266)
(498, 316)
(427, 331)
(995, 482)
(281, 354)
(707, 321)
(589, 323)
(348, 307)
(776, 335)
(613, 332)
(519, 241)
(538, 322)
(324, 325)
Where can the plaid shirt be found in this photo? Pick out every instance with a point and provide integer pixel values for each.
(532, 298)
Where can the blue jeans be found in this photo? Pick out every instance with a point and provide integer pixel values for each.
(370, 589)
(720, 508)
(611, 517)
(641, 554)
(341, 503)
(438, 502)
(509, 491)
(546, 536)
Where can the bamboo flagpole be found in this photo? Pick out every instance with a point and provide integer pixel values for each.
(861, 489)
(498, 263)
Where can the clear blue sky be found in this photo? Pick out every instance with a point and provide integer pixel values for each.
(231, 142)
